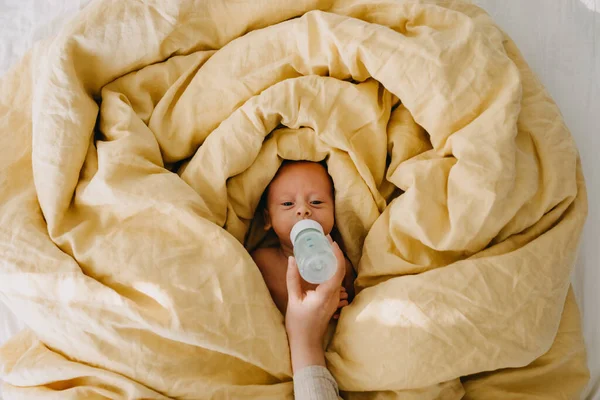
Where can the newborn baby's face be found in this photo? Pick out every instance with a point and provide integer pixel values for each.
(300, 190)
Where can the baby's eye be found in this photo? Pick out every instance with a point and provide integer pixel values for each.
(287, 204)
(316, 202)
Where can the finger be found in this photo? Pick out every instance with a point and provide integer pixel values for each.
(294, 285)
(342, 303)
(343, 289)
(343, 296)
(335, 282)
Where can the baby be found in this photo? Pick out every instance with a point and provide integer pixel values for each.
(299, 190)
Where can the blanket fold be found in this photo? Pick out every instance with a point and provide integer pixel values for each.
(136, 144)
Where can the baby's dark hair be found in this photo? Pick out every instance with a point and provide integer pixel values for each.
(262, 205)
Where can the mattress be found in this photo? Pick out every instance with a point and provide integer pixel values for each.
(560, 40)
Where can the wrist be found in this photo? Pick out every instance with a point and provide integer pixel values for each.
(304, 340)
(305, 353)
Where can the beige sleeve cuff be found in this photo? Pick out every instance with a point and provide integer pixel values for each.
(315, 383)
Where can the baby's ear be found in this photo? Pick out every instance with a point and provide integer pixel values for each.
(267, 218)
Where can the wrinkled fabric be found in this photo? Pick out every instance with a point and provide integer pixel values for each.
(136, 144)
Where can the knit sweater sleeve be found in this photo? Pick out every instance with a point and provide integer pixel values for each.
(315, 383)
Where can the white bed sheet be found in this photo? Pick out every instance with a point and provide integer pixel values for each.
(559, 38)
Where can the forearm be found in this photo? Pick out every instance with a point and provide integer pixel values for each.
(305, 354)
(312, 380)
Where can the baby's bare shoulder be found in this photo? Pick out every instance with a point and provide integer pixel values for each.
(273, 272)
(265, 256)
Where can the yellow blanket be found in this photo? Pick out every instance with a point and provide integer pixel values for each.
(134, 148)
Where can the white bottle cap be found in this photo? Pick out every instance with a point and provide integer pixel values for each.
(302, 225)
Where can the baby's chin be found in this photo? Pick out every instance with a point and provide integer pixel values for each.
(286, 242)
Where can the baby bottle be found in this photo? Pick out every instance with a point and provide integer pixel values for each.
(313, 252)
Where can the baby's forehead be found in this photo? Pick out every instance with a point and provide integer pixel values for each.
(302, 171)
(297, 175)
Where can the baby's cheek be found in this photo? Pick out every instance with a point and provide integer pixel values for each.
(327, 222)
(280, 223)
(283, 228)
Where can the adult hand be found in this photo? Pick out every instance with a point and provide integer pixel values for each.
(308, 313)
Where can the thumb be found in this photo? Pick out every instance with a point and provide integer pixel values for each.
(294, 286)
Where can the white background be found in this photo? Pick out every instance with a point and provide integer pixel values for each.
(559, 38)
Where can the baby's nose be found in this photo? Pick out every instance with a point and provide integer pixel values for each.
(303, 211)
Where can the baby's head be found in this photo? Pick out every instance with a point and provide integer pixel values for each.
(299, 190)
